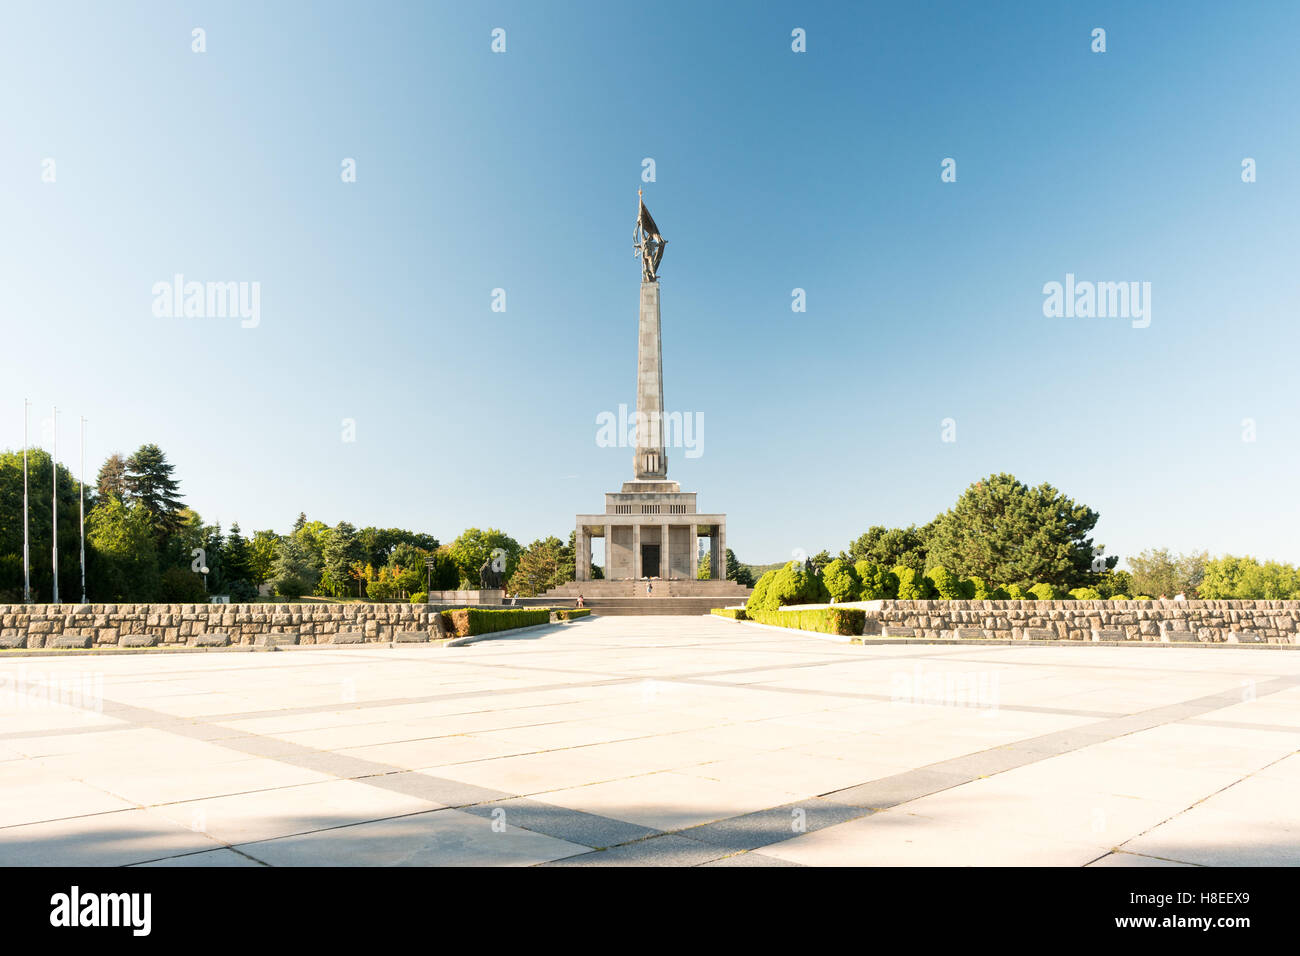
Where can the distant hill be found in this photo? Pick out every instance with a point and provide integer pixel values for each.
(759, 570)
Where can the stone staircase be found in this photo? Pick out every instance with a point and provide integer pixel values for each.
(666, 597)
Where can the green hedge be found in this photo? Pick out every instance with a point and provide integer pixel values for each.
(829, 620)
(571, 613)
(468, 621)
(735, 613)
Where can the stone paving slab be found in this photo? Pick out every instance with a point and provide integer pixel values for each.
(768, 827)
(751, 859)
(663, 850)
(663, 741)
(438, 838)
(587, 829)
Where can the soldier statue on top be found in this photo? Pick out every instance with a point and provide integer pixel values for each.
(647, 242)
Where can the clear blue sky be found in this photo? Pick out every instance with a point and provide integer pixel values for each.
(775, 170)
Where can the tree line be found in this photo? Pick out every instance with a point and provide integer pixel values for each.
(144, 544)
(1005, 536)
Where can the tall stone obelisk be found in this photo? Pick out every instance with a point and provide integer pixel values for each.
(651, 460)
(651, 528)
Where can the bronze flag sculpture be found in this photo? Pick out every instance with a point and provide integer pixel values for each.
(647, 242)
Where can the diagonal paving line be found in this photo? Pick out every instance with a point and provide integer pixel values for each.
(923, 781)
(753, 831)
(1226, 787)
(573, 826)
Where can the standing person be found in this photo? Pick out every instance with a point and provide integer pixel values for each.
(581, 603)
(649, 589)
(515, 599)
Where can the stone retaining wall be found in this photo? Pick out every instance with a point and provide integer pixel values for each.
(1274, 622)
(106, 624)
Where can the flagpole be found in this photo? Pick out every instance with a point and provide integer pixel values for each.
(27, 564)
(82, 482)
(54, 506)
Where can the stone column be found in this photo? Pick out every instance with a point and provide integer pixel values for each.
(582, 554)
(636, 551)
(713, 554)
(665, 566)
(651, 461)
(609, 548)
(721, 574)
(695, 550)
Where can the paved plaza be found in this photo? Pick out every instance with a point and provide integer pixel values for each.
(654, 740)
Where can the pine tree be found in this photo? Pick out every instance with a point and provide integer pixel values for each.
(293, 573)
(237, 563)
(214, 546)
(341, 551)
(112, 478)
(738, 572)
(149, 481)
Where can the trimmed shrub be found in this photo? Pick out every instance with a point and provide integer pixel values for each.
(875, 583)
(420, 597)
(735, 613)
(945, 584)
(841, 581)
(827, 620)
(1085, 594)
(758, 597)
(1017, 593)
(1119, 597)
(1044, 592)
(979, 591)
(571, 613)
(468, 621)
(998, 594)
(795, 584)
(1144, 597)
(912, 586)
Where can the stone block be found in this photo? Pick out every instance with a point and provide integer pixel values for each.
(410, 637)
(138, 640)
(1041, 634)
(897, 630)
(1109, 634)
(348, 637)
(973, 632)
(69, 640)
(209, 640)
(277, 638)
(1246, 637)
(11, 641)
